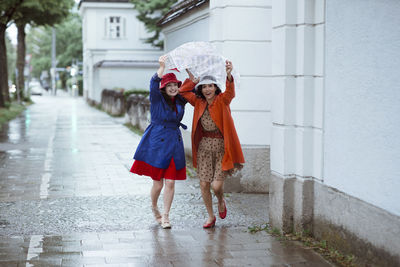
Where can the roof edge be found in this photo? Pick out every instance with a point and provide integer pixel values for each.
(180, 9)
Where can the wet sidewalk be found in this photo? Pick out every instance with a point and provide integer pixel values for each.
(67, 199)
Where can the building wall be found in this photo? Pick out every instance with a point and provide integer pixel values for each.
(125, 76)
(97, 46)
(193, 26)
(242, 33)
(362, 147)
(334, 150)
(297, 110)
(297, 68)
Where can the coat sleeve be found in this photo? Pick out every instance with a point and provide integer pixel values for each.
(229, 93)
(155, 93)
(186, 91)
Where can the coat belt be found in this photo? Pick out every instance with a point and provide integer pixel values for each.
(169, 124)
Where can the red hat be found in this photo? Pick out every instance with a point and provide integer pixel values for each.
(169, 78)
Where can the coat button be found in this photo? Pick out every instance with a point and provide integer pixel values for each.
(165, 126)
(162, 139)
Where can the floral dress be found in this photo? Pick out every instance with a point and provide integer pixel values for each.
(211, 151)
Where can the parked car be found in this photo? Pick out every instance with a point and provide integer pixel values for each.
(35, 88)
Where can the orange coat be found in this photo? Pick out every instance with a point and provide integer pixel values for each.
(221, 114)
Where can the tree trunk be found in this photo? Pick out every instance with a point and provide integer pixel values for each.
(3, 66)
(21, 60)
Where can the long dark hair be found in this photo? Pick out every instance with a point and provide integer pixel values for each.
(178, 99)
(199, 91)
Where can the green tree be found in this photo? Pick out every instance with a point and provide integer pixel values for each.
(36, 12)
(149, 12)
(8, 8)
(68, 43)
(11, 58)
(39, 46)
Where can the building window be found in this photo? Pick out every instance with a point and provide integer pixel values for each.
(115, 27)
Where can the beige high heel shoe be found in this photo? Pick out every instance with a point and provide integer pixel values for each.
(165, 224)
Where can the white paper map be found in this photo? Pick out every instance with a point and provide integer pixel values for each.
(201, 59)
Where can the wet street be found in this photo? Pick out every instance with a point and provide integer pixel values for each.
(67, 198)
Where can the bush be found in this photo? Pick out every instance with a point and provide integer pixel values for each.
(11, 111)
(136, 91)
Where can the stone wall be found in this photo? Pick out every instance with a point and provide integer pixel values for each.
(255, 175)
(113, 102)
(138, 111)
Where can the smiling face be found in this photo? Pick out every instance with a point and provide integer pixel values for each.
(172, 89)
(208, 91)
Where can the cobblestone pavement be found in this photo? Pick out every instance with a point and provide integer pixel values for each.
(67, 199)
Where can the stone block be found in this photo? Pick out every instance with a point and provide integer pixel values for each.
(281, 198)
(260, 97)
(318, 102)
(305, 12)
(255, 176)
(319, 46)
(303, 205)
(304, 151)
(259, 52)
(216, 19)
(317, 153)
(253, 128)
(284, 12)
(250, 24)
(284, 104)
(319, 11)
(304, 101)
(284, 51)
(283, 150)
(305, 50)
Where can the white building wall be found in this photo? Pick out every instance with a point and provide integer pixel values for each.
(297, 70)
(362, 101)
(97, 47)
(241, 30)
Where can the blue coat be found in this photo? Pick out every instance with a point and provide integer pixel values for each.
(162, 139)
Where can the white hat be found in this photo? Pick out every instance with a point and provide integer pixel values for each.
(208, 80)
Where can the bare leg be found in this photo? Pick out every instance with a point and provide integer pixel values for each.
(168, 197)
(218, 187)
(207, 199)
(155, 194)
(168, 194)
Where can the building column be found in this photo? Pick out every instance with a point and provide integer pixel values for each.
(241, 31)
(297, 111)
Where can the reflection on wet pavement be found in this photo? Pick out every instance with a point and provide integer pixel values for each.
(67, 199)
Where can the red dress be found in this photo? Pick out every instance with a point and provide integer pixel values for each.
(142, 168)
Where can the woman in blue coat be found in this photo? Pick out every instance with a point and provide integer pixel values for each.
(160, 153)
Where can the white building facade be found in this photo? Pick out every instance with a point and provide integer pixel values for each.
(114, 52)
(317, 107)
(251, 109)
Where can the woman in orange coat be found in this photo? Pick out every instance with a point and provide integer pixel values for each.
(216, 148)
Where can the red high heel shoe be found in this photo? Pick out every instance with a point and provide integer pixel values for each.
(211, 224)
(222, 215)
